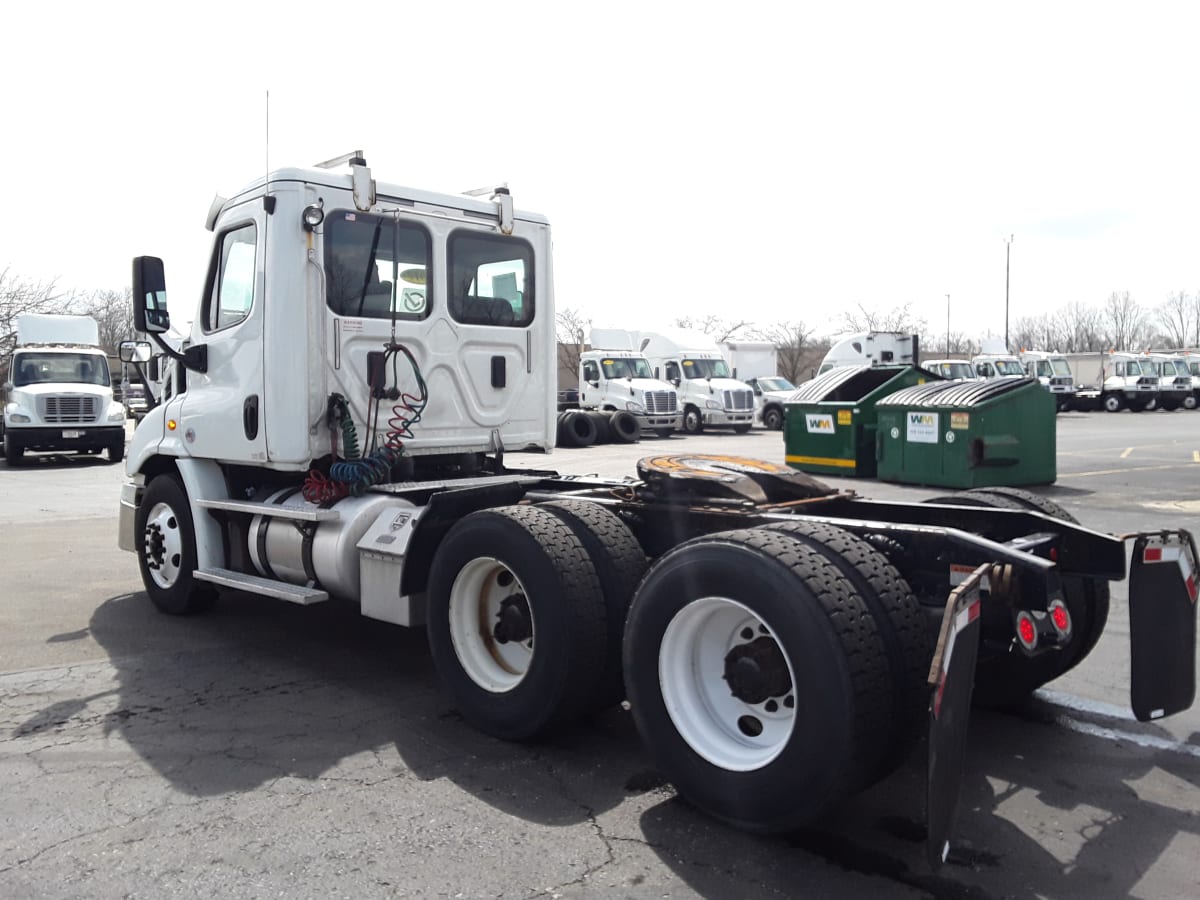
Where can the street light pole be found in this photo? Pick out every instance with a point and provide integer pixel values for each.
(947, 324)
(1007, 256)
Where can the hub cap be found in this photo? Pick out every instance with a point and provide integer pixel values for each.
(163, 543)
(491, 625)
(727, 684)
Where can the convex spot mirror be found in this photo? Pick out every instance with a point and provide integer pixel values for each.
(135, 351)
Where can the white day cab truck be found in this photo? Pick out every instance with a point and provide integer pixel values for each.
(1175, 390)
(709, 395)
(618, 391)
(757, 364)
(1053, 372)
(873, 348)
(1116, 381)
(782, 644)
(59, 394)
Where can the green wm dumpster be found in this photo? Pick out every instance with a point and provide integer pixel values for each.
(968, 434)
(829, 426)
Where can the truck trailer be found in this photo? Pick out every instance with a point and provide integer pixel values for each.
(781, 644)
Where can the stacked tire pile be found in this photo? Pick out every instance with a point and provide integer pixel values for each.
(582, 428)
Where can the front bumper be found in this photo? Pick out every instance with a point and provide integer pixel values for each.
(717, 417)
(652, 421)
(78, 437)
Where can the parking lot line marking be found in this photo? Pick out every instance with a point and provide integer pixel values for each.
(1122, 471)
(1128, 450)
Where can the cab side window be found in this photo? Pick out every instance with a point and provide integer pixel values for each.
(672, 371)
(231, 293)
(491, 279)
(590, 371)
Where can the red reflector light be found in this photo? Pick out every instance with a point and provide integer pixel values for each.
(1026, 630)
(1152, 554)
(1061, 618)
(1053, 554)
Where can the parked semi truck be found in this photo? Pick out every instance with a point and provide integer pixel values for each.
(709, 395)
(873, 348)
(781, 643)
(59, 394)
(614, 377)
(1114, 381)
(1053, 372)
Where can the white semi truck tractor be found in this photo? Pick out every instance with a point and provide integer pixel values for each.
(708, 393)
(364, 362)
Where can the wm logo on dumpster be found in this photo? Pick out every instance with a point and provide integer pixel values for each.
(817, 424)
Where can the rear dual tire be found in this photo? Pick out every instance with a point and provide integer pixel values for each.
(757, 678)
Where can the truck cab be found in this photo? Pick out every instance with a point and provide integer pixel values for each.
(872, 348)
(1175, 389)
(994, 365)
(614, 377)
(1053, 372)
(59, 394)
(708, 393)
(1130, 380)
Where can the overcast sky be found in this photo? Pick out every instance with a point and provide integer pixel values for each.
(756, 161)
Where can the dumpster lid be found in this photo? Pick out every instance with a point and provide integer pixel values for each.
(847, 383)
(957, 393)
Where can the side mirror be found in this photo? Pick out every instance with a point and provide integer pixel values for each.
(150, 296)
(7, 386)
(595, 383)
(675, 381)
(135, 351)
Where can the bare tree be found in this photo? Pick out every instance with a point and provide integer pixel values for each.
(900, 318)
(1080, 328)
(113, 312)
(1125, 325)
(1175, 316)
(22, 295)
(792, 342)
(571, 329)
(714, 326)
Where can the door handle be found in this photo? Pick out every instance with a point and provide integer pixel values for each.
(250, 417)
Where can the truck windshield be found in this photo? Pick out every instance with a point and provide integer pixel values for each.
(1180, 366)
(1133, 367)
(956, 370)
(1009, 367)
(705, 368)
(776, 384)
(626, 368)
(71, 368)
(1060, 367)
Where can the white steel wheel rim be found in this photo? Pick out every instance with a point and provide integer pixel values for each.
(164, 545)
(703, 708)
(476, 600)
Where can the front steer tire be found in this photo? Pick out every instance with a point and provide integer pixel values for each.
(516, 622)
(758, 682)
(166, 549)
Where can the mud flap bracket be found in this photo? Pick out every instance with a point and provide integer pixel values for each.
(952, 674)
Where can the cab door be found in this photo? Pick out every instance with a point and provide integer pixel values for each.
(222, 411)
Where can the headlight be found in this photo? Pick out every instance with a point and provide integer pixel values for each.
(633, 406)
(713, 404)
(116, 412)
(18, 417)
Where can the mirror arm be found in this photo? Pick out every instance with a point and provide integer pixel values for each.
(194, 358)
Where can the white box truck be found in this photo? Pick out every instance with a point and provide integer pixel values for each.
(59, 394)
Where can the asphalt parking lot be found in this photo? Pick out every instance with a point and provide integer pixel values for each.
(270, 750)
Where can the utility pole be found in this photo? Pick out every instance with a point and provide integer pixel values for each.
(947, 324)
(1007, 257)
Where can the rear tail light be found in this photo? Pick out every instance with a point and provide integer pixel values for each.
(1027, 632)
(1060, 618)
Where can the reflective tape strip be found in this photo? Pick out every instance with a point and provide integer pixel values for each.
(822, 461)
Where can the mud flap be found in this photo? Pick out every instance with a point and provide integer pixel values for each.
(1163, 584)
(952, 674)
